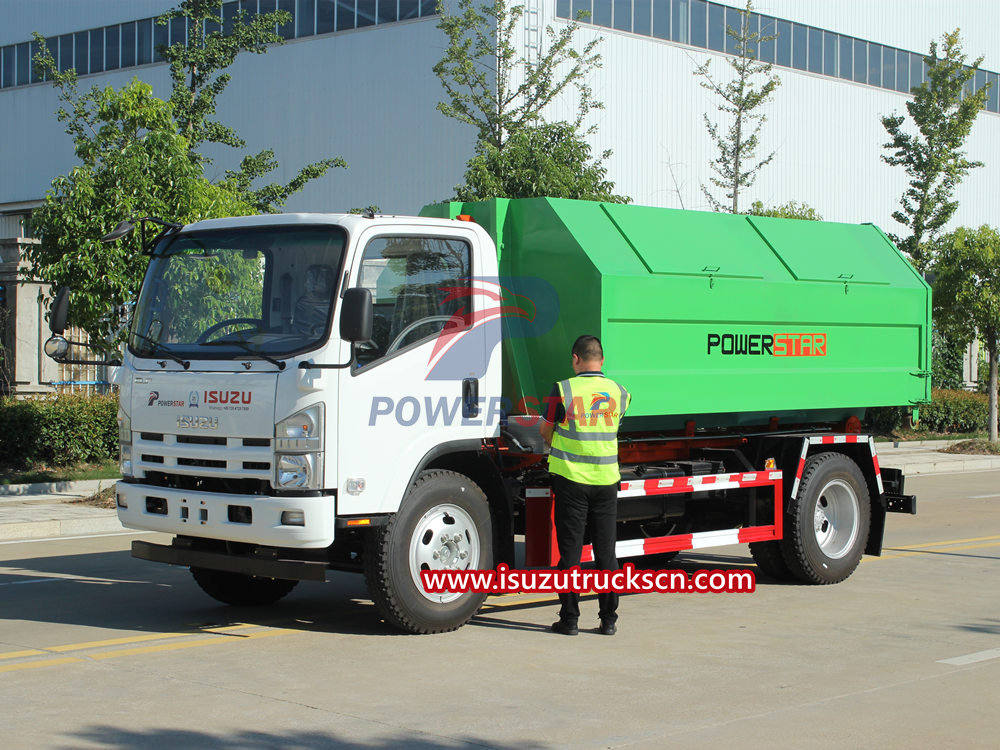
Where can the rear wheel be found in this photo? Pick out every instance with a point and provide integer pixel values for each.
(443, 524)
(826, 528)
(770, 561)
(241, 590)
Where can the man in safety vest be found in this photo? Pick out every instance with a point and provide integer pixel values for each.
(581, 424)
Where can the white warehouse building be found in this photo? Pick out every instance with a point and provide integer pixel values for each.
(355, 80)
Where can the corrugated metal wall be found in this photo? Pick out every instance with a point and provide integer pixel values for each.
(370, 96)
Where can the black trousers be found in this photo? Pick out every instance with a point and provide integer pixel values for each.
(577, 507)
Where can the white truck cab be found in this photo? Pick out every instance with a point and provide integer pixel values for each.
(246, 417)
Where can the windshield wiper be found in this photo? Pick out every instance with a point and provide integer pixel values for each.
(164, 349)
(242, 344)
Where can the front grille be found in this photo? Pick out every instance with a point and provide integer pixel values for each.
(200, 440)
(231, 485)
(204, 455)
(205, 463)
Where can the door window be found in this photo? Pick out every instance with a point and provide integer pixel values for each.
(419, 288)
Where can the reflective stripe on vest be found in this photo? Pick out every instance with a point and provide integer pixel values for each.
(585, 444)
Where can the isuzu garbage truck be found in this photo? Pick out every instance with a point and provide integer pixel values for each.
(307, 392)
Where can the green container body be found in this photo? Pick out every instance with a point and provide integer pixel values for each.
(684, 303)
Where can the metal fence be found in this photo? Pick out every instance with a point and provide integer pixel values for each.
(82, 379)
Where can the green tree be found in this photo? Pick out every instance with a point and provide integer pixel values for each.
(750, 87)
(492, 86)
(132, 162)
(539, 160)
(197, 69)
(932, 157)
(967, 294)
(790, 210)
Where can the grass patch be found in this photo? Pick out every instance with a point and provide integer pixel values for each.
(103, 499)
(41, 473)
(980, 446)
(902, 435)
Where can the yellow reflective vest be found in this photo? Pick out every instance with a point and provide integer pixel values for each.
(585, 443)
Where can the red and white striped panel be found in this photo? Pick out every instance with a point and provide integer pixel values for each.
(699, 539)
(835, 440)
(681, 542)
(704, 483)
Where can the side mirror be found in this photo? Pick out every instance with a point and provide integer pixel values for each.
(356, 315)
(57, 347)
(60, 306)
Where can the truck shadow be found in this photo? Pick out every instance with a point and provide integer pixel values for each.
(113, 591)
(118, 738)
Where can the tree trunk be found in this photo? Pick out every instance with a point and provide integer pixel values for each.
(993, 389)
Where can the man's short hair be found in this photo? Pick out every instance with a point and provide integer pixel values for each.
(588, 348)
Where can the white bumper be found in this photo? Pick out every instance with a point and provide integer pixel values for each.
(207, 515)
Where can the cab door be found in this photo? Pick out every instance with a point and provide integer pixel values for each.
(429, 378)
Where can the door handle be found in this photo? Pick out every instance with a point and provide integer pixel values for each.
(470, 398)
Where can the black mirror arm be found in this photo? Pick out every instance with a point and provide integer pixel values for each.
(314, 366)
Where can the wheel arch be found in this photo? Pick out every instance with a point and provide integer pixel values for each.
(467, 457)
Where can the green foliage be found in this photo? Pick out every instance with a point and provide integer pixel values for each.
(59, 431)
(790, 210)
(488, 82)
(229, 286)
(933, 157)
(736, 167)
(539, 160)
(967, 293)
(955, 411)
(196, 69)
(370, 208)
(132, 162)
(885, 420)
(947, 353)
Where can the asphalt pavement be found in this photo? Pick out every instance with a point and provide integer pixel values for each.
(100, 650)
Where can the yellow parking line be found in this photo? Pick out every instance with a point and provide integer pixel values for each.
(121, 641)
(15, 654)
(939, 552)
(945, 543)
(38, 664)
(216, 639)
(185, 644)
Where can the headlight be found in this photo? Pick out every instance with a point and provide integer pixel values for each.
(303, 431)
(125, 444)
(299, 471)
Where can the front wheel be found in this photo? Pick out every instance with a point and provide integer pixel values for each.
(443, 524)
(241, 590)
(826, 528)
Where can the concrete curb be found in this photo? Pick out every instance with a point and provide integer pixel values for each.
(95, 524)
(81, 488)
(888, 445)
(953, 466)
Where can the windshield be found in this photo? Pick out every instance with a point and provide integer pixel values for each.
(224, 294)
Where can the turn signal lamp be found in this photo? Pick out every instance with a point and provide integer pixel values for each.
(464, 217)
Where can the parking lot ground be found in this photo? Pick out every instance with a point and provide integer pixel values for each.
(100, 650)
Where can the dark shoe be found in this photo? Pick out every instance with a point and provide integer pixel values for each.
(565, 628)
(607, 628)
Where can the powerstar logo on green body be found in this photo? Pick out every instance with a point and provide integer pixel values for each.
(768, 344)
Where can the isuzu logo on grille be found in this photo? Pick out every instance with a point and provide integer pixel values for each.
(197, 422)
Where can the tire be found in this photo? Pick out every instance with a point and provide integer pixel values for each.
(770, 561)
(438, 503)
(241, 590)
(826, 528)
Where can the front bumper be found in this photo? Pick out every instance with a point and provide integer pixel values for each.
(296, 570)
(210, 514)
